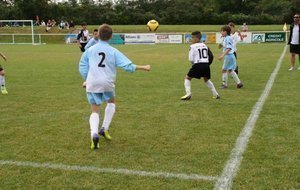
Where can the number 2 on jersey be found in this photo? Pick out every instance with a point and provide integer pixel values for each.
(102, 54)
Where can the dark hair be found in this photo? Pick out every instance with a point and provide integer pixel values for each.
(197, 34)
(227, 29)
(84, 24)
(105, 32)
(231, 24)
(96, 30)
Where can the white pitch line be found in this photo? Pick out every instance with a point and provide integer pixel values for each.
(108, 170)
(236, 156)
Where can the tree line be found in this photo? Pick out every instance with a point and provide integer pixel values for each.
(132, 12)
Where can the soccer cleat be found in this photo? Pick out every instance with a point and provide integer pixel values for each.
(292, 68)
(223, 86)
(186, 97)
(217, 97)
(95, 142)
(240, 85)
(3, 90)
(105, 134)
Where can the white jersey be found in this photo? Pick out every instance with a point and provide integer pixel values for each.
(83, 36)
(235, 38)
(295, 36)
(198, 53)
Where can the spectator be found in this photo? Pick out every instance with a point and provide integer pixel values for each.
(71, 24)
(244, 27)
(43, 23)
(294, 41)
(49, 25)
(62, 24)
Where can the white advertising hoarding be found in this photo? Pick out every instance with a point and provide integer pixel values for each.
(143, 38)
(168, 39)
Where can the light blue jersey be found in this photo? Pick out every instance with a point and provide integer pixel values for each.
(229, 59)
(90, 43)
(98, 66)
(228, 44)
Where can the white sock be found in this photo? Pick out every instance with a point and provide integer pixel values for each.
(225, 78)
(212, 88)
(94, 123)
(235, 77)
(109, 114)
(2, 80)
(187, 86)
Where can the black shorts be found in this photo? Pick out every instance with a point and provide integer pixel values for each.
(1, 68)
(82, 46)
(295, 49)
(199, 70)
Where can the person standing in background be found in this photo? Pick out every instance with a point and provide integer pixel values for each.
(294, 41)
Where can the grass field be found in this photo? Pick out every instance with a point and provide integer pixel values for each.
(45, 137)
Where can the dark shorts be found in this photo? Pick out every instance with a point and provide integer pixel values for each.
(82, 46)
(199, 70)
(1, 68)
(295, 49)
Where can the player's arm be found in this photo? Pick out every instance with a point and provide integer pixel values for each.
(191, 55)
(123, 62)
(78, 38)
(240, 35)
(84, 65)
(3, 56)
(210, 56)
(143, 67)
(224, 53)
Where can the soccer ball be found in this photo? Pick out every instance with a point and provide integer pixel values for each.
(152, 25)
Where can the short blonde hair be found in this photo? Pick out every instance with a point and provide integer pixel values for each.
(105, 32)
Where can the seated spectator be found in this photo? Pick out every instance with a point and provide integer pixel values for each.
(71, 25)
(62, 24)
(49, 25)
(43, 23)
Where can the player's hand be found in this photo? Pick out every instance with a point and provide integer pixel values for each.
(220, 57)
(147, 67)
(84, 84)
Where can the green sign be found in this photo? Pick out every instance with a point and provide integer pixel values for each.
(275, 37)
(117, 39)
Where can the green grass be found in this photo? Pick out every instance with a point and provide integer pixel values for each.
(45, 119)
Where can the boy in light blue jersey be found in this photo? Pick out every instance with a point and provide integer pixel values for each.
(229, 64)
(98, 68)
(92, 41)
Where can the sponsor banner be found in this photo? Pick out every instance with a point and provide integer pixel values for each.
(210, 38)
(175, 39)
(162, 38)
(143, 38)
(246, 37)
(257, 38)
(117, 39)
(275, 37)
(187, 38)
(168, 38)
(71, 38)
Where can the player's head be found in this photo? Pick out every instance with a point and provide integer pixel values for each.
(95, 33)
(232, 26)
(84, 25)
(105, 32)
(226, 29)
(196, 37)
(297, 18)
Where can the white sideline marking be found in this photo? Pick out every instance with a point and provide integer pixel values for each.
(108, 170)
(236, 156)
